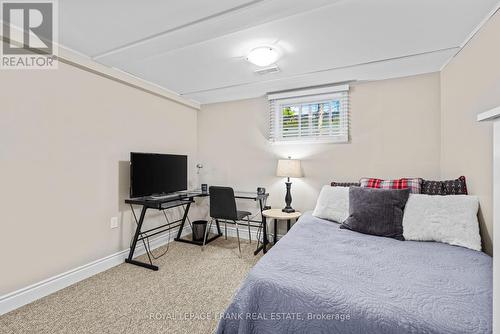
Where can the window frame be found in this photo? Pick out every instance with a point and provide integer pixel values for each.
(276, 122)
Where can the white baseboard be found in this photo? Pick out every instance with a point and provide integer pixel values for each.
(26, 295)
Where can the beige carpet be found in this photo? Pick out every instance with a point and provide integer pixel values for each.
(184, 296)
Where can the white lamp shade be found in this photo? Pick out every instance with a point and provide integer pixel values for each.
(289, 168)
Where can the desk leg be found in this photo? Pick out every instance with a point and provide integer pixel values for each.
(179, 233)
(134, 243)
(265, 241)
(263, 247)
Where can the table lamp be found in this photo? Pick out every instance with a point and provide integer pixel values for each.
(288, 168)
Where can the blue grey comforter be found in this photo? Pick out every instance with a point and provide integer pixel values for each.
(321, 279)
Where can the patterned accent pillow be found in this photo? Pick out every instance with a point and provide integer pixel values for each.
(433, 188)
(414, 184)
(344, 184)
(448, 187)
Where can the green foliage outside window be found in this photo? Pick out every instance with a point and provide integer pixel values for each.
(310, 119)
(290, 121)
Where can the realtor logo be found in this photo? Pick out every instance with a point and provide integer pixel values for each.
(29, 35)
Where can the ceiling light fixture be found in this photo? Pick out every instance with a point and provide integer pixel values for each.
(263, 56)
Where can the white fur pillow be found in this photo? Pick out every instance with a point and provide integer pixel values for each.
(448, 219)
(333, 204)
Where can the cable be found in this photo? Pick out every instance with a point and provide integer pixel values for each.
(148, 249)
(146, 243)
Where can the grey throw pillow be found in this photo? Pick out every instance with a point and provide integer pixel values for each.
(377, 211)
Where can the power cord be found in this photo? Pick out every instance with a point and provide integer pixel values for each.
(146, 243)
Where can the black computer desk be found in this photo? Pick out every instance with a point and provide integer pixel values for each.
(184, 200)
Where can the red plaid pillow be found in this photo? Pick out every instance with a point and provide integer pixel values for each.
(414, 184)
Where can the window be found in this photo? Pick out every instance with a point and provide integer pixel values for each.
(319, 117)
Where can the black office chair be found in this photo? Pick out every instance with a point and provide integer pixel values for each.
(223, 207)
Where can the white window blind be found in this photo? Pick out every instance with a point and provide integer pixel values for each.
(320, 115)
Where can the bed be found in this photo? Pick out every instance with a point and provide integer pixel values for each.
(322, 279)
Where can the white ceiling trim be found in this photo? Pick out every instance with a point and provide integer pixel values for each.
(80, 61)
(198, 49)
(410, 66)
(177, 28)
(181, 37)
(217, 64)
(308, 92)
(319, 71)
(472, 34)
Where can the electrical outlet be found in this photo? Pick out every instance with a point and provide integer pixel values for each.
(114, 222)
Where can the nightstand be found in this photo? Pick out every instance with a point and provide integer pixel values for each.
(277, 214)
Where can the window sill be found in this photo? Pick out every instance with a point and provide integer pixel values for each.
(331, 140)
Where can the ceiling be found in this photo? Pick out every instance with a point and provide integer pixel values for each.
(197, 48)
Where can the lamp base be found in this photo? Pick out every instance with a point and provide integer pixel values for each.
(288, 198)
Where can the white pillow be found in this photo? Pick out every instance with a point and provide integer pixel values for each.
(333, 204)
(450, 219)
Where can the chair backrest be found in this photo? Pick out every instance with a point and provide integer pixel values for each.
(222, 203)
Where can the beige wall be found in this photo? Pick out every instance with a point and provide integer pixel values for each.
(470, 84)
(395, 130)
(66, 136)
(65, 140)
